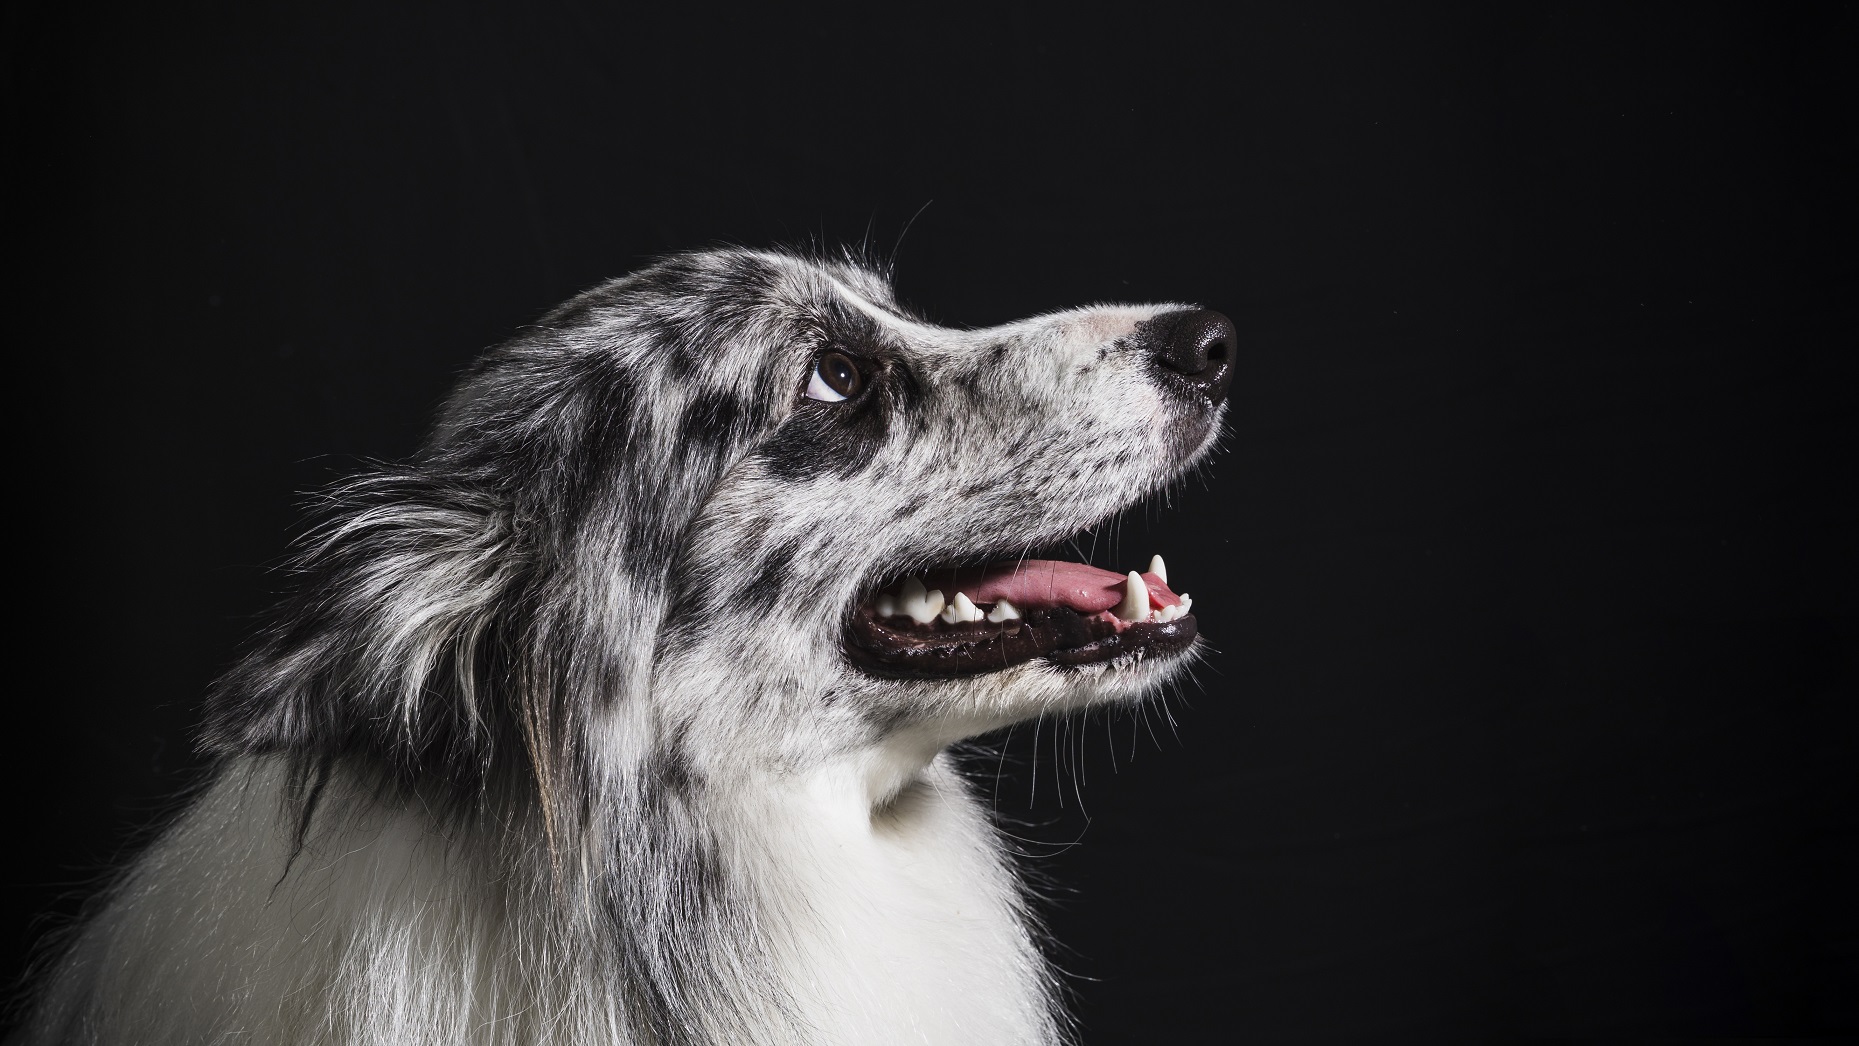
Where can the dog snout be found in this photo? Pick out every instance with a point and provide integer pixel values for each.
(1198, 346)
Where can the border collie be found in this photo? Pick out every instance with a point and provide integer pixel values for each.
(622, 714)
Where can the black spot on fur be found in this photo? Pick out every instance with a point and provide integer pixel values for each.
(969, 384)
(772, 577)
(669, 774)
(711, 418)
(885, 719)
(682, 364)
(823, 440)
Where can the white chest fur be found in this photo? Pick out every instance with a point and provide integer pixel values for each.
(901, 926)
(904, 924)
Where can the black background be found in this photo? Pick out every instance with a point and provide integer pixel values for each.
(1528, 563)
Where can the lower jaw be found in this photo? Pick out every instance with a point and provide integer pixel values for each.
(1058, 636)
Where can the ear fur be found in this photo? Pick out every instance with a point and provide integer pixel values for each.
(392, 645)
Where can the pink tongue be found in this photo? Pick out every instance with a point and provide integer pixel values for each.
(1046, 583)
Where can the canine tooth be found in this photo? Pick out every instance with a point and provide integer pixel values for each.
(1135, 606)
(1004, 611)
(961, 610)
(886, 606)
(1158, 568)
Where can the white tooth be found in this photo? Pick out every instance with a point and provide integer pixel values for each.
(1004, 611)
(962, 610)
(886, 606)
(921, 606)
(1166, 613)
(1187, 602)
(1135, 599)
(1158, 568)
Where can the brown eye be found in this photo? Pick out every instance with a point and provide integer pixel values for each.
(835, 378)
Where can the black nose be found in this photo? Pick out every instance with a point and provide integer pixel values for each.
(1198, 346)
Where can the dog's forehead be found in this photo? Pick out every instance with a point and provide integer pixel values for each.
(846, 288)
(847, 279)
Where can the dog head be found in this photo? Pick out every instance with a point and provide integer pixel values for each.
(743, 498)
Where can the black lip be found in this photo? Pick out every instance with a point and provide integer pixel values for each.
(1059, 635)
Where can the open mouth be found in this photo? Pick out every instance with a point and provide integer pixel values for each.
(963, 621)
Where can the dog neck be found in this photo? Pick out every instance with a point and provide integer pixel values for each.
(903, 915)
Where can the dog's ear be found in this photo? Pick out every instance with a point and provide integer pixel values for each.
(430, 643)
(458, 621)
(383, 650)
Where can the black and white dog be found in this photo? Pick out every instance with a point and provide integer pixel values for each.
(621, 715)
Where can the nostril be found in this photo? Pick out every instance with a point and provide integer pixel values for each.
(1219, 349)
(1199, 345)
